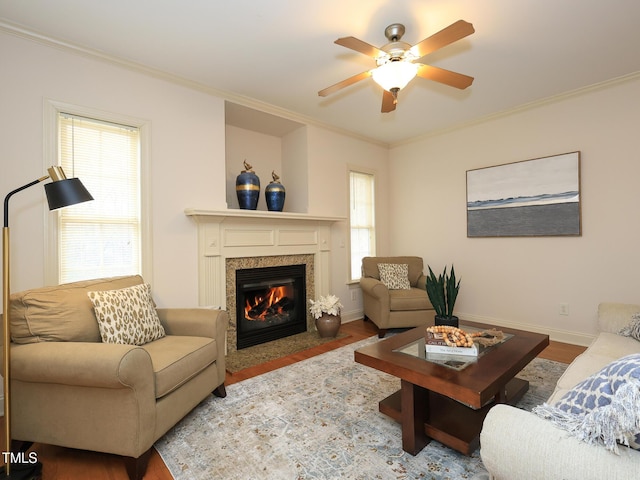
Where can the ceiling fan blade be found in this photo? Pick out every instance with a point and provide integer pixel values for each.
(344, 83)
(359, 46)
(453, 79)
(388, 102)
(444, 37)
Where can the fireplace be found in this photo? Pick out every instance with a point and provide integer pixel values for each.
(270, 303)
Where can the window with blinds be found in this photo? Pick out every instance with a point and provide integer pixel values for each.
(101, 238)
(362, 220)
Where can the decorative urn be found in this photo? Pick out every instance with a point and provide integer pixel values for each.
(248, 188)
(275, 194)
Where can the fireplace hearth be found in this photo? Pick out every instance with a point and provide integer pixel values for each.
(270, 303)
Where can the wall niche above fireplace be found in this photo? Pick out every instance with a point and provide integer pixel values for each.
(269, 143)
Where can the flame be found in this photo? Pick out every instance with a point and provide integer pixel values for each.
(271, 298)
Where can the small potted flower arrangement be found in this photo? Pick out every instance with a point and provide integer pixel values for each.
(326, 311)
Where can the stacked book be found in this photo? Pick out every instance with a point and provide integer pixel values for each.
(435, 343)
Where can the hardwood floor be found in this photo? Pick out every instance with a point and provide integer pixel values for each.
(68, 464)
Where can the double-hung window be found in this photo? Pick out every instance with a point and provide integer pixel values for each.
(362, 219)
(101, 238)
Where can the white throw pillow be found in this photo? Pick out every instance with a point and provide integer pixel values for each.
(127, 316)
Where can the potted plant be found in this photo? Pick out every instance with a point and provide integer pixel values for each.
(326, 311)
(442, 292)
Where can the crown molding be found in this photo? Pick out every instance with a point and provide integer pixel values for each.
(27, 34)
(524, 107)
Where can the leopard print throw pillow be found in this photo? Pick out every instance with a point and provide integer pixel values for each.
(395, 275)
(127, 316)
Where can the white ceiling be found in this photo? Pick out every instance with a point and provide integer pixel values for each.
(281, 52)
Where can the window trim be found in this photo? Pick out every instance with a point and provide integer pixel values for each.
(50, 157)
(374, 173)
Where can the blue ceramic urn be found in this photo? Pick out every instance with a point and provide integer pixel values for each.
(248, 188)
(274, 194)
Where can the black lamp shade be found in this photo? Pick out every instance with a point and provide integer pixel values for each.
(68, 191)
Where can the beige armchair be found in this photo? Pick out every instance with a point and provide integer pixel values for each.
(69, 388)
(395, 307)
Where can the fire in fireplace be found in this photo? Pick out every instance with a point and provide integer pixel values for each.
(270, 303)
(272, 307)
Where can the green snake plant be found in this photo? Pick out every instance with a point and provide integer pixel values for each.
(443, 291)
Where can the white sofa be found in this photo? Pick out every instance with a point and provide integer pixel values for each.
(519, 445)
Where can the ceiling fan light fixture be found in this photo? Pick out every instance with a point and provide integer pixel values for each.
(394, 74)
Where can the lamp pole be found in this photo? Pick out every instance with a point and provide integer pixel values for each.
(61, 192)
(6, 332)
(6, 325)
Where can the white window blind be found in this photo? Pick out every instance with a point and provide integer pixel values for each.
(100, 238)
(362, 219)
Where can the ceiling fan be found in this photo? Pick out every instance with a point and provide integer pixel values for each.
(395, 61)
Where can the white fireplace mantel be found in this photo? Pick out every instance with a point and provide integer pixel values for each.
(226, 234)
(202, 215)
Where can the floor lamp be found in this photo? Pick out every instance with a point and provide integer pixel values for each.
(61, 192)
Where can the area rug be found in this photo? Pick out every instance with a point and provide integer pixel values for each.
(317, 419)
(265, 352)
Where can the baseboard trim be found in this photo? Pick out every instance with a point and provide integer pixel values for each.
(351, 316)
(555, 334)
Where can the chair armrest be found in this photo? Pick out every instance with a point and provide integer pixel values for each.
(422, 282)
(194, 322)
(374, 288)
(518, 444)
(83, 364)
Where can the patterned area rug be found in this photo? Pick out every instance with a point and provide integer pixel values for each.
(317, 419)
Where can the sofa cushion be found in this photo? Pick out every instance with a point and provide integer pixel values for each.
(602, 351)
(177, 359)
(613, 346)
(605, 407)
(633, 329)
(127, 315)
(60, 313)
(412, 299)
(395, 276)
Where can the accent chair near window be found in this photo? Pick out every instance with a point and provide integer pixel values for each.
(394, 294)
(83, 377)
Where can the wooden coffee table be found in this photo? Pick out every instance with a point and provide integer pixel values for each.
(442, 403)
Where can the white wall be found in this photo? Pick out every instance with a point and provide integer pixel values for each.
(296, 170)
(522, 281)
(330, 155)
(187, 155)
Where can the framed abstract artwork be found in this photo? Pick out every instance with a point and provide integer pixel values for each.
(538, 197)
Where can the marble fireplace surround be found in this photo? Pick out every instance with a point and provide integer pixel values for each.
(234, 264)
(232, 239)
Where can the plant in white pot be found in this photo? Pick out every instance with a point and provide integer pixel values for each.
(443, 292)
(326, 311)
